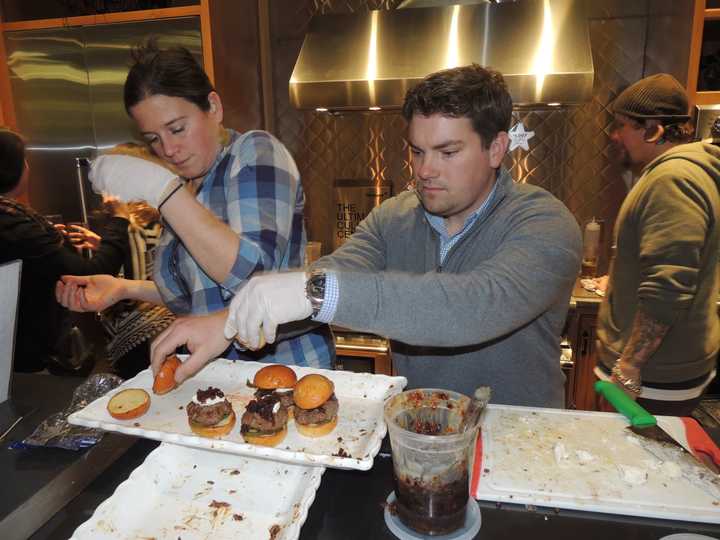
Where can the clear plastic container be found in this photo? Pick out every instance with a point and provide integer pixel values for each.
(430, 458)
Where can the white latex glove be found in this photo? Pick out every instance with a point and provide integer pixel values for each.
(132, 179)
(264, 303)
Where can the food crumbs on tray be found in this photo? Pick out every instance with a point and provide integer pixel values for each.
(232, 491)
(238, 517)
(218, 504)
(181, 407)
(339, 439)
(274, 531)
(136, 424)
(234, 472)
(341, 453)
(210, 482)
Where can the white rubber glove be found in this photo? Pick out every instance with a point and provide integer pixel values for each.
(132, 179)
(264, 303)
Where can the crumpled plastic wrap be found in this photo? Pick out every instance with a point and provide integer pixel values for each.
(55, 431)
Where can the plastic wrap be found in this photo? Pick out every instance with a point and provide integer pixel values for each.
(55, 431)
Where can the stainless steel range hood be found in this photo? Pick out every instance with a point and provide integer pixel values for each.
(361, 61)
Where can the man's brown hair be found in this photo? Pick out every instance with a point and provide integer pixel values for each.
(471, 91)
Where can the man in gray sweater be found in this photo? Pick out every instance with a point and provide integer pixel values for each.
(469, 274)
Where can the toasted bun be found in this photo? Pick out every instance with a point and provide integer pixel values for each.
(316, 430)
(220, 429)
(266, 440)
(129, 403)
(165, 378)
(275, 376)
(312, 391)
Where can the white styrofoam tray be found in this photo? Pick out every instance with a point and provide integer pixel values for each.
(352, 445)
(180, 492)
(541, 457)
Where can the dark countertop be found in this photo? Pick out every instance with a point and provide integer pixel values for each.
(348, 504)
(43, 480)
(54, 491)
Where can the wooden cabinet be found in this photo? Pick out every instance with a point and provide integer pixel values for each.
(702, 86)
(582, 321)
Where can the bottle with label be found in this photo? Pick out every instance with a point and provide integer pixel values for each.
(591, 249)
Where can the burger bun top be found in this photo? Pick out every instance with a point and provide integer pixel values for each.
(275, 376)
(312, 391)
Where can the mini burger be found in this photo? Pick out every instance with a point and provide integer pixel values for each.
(264, 421)
(316, 406)
(276, 379)
(210, 414)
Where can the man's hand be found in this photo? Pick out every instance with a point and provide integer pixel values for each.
(89, 293)
(203, 337)
(264, 303)
(132, 179)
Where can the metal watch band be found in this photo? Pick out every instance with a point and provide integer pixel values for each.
(315, 290)
(629, 384)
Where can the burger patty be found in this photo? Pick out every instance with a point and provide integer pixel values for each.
(286, 398)
(325, 412)
(208, 415)
(259, 415)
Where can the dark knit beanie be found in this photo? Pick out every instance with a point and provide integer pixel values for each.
(659, 96)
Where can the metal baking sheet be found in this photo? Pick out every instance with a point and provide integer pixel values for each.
(585, 461)
(352, 445)
(180, 492)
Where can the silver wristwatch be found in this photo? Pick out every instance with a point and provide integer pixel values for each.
(315, 290)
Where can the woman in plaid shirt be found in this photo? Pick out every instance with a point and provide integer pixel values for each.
(232, 206)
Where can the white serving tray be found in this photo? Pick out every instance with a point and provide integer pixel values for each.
(181, 492)
(519, 465)
(352, 445)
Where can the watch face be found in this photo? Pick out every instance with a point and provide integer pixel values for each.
(316, 287)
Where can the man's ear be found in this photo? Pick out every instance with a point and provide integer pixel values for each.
(498, 149)
(654, 132)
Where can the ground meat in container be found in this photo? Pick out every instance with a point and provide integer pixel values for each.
(323, 413)
(432, 507)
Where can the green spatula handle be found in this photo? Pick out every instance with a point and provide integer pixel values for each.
(638, 416)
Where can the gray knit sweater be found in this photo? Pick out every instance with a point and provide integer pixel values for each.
(491, 315)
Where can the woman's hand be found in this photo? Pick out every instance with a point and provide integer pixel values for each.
(202, 335)
(132, 179)
(89, 293)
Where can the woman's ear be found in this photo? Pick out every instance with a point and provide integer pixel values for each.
(216, 108)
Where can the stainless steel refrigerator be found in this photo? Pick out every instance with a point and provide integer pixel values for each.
(67, 86)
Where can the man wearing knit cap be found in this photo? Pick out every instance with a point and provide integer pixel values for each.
(658, 328)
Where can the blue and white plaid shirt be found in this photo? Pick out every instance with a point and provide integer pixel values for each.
(253, 186)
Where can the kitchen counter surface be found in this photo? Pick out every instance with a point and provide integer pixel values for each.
(348, 505)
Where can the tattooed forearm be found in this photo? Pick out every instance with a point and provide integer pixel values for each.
(647, 334)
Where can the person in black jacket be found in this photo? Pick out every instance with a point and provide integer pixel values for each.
(45, 255)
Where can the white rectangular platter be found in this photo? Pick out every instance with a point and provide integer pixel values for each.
(583, 461)
(181, 492)
(352, 445)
